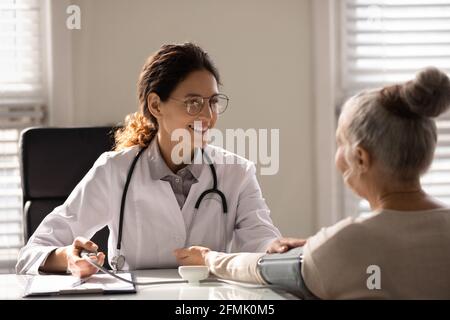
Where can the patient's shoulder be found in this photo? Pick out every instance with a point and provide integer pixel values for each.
(343, 237)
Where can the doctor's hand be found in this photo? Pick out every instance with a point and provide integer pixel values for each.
(192, 256)
(68, 259)
(77, 265)
(285, 244)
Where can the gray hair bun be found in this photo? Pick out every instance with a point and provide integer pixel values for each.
(428, 94)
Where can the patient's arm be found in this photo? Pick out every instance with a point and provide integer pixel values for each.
(231, 266)
(235, 266)
(245, 267)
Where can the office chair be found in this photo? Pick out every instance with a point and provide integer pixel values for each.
(52, 162)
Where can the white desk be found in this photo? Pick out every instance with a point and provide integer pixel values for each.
(12, 287)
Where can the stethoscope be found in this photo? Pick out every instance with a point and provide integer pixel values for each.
(118, 261)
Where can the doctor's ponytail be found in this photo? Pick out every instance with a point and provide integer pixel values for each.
(161, 74)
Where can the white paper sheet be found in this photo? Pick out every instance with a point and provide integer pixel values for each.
(66, 284)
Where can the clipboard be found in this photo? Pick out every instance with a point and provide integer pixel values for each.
(50, 285)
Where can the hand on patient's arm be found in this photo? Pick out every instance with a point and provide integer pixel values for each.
(285, 244)
(68, 258)
(192, 256)
(231, 266)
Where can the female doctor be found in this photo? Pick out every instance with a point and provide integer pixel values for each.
(142, 192)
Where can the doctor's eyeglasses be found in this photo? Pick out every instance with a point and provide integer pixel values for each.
(194, 104)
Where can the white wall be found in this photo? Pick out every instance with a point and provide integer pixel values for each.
(263, 51)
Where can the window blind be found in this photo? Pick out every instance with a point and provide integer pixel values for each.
(22, 104)
(388, 41)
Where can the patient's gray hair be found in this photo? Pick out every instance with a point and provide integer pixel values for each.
(394, 124)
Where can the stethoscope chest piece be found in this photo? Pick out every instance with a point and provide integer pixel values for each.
(118, 262)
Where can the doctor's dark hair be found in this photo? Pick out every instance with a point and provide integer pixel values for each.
(161, 74)
(395, 124)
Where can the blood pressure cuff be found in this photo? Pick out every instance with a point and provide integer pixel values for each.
(285, 270)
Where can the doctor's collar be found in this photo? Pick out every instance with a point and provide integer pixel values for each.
(158, 167)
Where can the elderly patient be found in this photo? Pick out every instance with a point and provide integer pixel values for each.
(385, 141)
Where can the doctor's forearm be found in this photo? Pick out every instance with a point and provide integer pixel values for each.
(56, 261)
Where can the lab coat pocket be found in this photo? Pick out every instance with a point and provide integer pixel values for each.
(209, 224)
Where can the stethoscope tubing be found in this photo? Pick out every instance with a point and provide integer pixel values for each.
(214, 189)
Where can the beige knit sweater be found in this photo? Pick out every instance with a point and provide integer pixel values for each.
(386, 255)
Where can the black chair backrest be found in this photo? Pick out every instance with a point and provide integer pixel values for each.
(53, 161)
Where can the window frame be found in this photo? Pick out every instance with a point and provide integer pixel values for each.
(36, 111)
(329, 188)
(329, 30)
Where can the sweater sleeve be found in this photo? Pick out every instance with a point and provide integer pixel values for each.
(235, 266)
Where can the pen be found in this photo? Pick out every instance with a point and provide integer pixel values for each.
(80, 282)
(85, 253)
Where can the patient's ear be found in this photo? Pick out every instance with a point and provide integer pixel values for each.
(363, 159)
(154, 105)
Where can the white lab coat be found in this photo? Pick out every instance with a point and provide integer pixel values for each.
(154, 225)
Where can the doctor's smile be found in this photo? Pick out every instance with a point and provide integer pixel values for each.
(199, 128)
